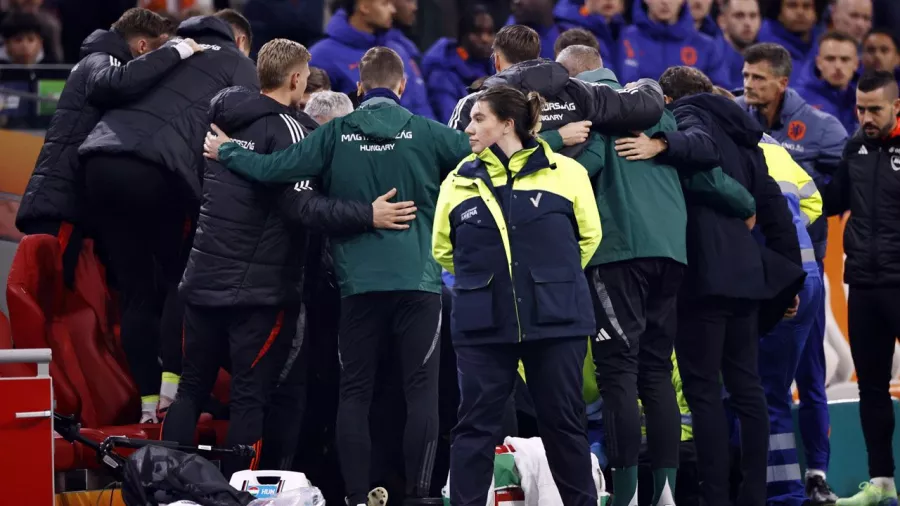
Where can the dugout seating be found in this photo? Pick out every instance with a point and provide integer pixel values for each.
(89, 372)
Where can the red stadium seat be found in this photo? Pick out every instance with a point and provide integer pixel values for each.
(80, 328)
(45, 314)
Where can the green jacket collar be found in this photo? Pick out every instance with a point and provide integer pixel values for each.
(376, 101)
(598, 76)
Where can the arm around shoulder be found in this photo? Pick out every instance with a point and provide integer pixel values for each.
(110, 83)
(637, 108)
(304, 159)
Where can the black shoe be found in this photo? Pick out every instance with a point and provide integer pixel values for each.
(819, 492)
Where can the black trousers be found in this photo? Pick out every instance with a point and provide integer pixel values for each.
(635, 309)
(487, 374)
(410, 322)
(140, 217)
(257, 342)
(874, 324)
(717, 337)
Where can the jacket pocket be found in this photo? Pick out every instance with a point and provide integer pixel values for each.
(554, 293)
(473, 303)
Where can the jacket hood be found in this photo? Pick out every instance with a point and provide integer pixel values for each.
(106, 41)
(339, 29)
(799, 49)
(397, 36)
(237, 107)
(573, 12)
(728, 116)
(681, 30)
(198, 27)
(543, 76)
(809, 75)
(379, 118)
(792, 103)
(445, 53)
(709, 27)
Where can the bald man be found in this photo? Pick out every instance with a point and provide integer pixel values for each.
(637, 272)
(852, 17)
(578, 59)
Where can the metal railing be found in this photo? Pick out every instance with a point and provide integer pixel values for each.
(27, 95)
(39, 356)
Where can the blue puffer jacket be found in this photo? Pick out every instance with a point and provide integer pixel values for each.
(801, 52)
(572, 14)
(649, 48)
(733, 63)
(339, 56)
(548, 35)
(709, 28)
(449, 71)
(815, 140)
(818, 93)
(396, 36)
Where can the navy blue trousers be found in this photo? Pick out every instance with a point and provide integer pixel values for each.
(780, 352)
(553, 373)
(813, 417)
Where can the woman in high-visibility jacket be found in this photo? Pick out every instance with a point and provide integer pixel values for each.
(516, 223)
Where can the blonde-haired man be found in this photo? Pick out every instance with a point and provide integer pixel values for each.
(244, 282)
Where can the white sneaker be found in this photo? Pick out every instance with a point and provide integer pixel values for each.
(149, 418)
(378, 497)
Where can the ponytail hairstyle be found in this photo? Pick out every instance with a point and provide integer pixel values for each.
(508, 103)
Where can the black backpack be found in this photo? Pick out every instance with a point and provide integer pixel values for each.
(155, 475)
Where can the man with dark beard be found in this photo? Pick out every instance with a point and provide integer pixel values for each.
(867, 183)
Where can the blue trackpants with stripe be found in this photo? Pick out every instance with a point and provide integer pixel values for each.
(779, 355)
(810, 377)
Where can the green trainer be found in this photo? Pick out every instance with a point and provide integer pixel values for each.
(870, 495)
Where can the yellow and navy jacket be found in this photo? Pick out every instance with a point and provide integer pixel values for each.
(517, 234)
(803, 198)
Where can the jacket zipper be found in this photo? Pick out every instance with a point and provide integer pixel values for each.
(509, 184)
(874, 217)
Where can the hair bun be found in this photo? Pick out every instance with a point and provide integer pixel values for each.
(535, 106)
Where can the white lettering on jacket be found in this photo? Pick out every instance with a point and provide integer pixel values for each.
(244, 144)
(377, 148)
(556, 106)
(405, 134)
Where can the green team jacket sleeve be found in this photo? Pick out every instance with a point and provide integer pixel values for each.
(305, 159)
(592, 158)
(450, 146)
(717, 190)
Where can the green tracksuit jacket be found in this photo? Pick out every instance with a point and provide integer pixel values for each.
(641, 203)
(360, 157)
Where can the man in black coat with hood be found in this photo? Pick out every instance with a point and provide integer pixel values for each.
(245, 277)
(110, 74)
(143, 165)
(517, 50)
(737, 285)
